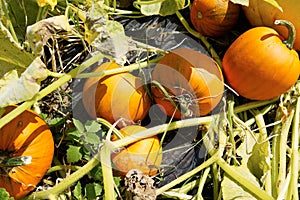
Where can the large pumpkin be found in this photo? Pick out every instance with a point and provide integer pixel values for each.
(187, 83)
(262, 13)
(28, 142)
(214, 17)
(145, 154)
(116, 96)
(259, 65)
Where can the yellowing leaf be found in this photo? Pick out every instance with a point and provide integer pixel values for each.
(105, 35)
(231, 190)
(14, 90)
(43, 3)
(241, 2)
(39, 33)
(245, 148)
(12, 55)
(259, 161)
(151, 9)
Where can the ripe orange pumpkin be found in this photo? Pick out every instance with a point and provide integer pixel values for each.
(259, 65)
(145, 154)
(193, 83)
(116, 96)
(262, 13)
(214, 17)
(25, 136)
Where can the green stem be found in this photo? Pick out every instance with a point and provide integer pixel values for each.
(196, 34)
(294, 162)
(108, 179)
(202, 183)
(215, 178)
(118, 70)
(65, 183)
(230, 127)
(254, 104)
(289, 42)
(262, 137)
(189, 174)
(9, 24)
(159, 129)
(275, 152)
(50, 88)
(283, 140)
(62, 168)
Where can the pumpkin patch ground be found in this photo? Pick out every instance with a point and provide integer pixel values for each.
(138, 99)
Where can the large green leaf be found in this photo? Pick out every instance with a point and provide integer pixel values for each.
(22, 13)
(12, 55)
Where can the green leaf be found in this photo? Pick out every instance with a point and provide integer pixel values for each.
(92, 190)
(92, 138)
(12, 55)
(14, 90)
(170, 7)
(20, 15)
(92, 126)
(259, 161)
(79, 126)
(96, 173)
(4, 195)
(231, 190)
(73, 154)
(77, 192)
(151, 9)
(163, 8)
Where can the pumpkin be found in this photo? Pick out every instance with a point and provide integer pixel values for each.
(262, 13)
(26, 152)
(259, 65)
(187, 83)
(116, 96)
(144, 155)
(214, 17)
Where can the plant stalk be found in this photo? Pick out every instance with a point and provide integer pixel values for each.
(294, 162)
(208, 46)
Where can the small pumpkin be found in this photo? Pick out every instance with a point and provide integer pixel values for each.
(116, 96)
(214, 17)
(144, 155)
(187, 83)
(262, 13)
(26, 152)
(260, 65)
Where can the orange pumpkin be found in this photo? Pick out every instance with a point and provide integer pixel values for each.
(25, 138)
(262, 13)
(193, 83)
(214, 17)
(145, 154)
(116, 96)
(259, 65)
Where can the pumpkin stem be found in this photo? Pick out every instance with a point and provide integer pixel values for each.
(289, 42)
